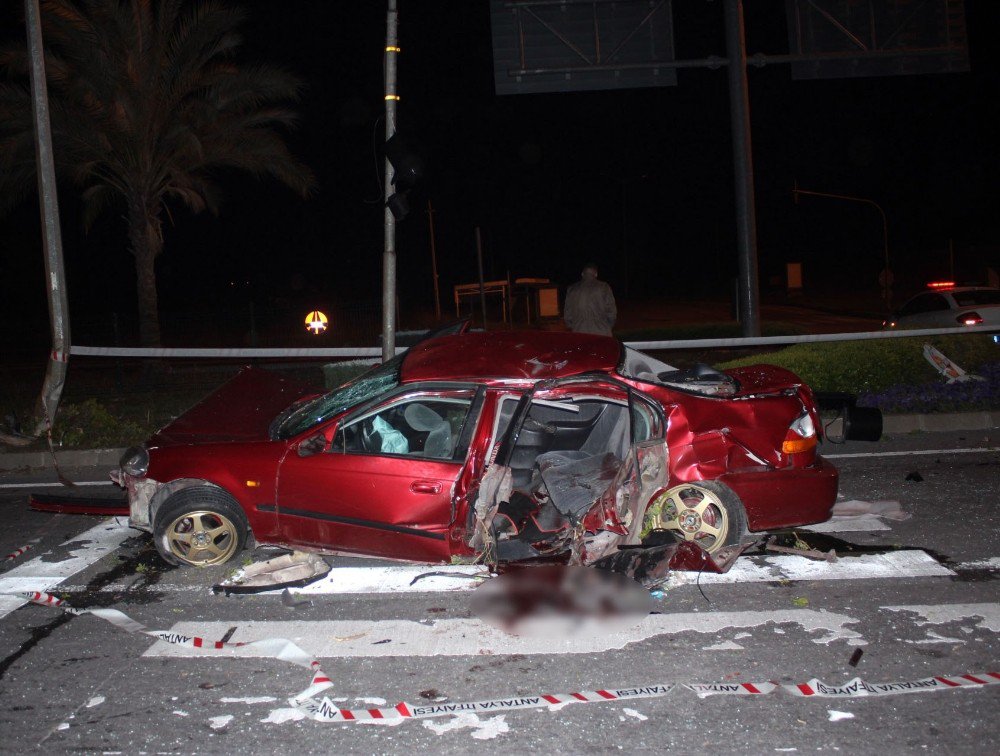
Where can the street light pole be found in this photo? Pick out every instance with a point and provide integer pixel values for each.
(55, 373)
(746, 221)
(886, 284)
(389, 254)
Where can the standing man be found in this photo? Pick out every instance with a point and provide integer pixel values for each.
(590, 305)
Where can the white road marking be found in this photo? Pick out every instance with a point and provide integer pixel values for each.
(859, 455)
(892, 564)
(993, 563)
(39, 574)
(396, 579)
(724, 646)
(473, 637)
(938, 614)
(107, 483)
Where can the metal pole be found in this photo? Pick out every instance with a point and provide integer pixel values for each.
(886, 285)
(434, 263)
(482, 285)
(389, 255)
(739, 116)
(55, 274)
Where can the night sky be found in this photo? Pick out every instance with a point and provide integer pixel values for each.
(638, 180)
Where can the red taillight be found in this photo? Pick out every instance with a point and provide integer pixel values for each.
(940, 284)
(970, 318)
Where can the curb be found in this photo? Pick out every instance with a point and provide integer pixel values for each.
(945, 421)
(18, 461)
(891, 424)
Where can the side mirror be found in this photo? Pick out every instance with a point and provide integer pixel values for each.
(313, 445)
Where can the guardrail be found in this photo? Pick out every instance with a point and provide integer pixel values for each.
(94, 351)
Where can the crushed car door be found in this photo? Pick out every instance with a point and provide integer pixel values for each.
(645, 470)
(564, 451)
(385, 484)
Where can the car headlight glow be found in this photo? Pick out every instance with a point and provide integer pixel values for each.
(135, 461)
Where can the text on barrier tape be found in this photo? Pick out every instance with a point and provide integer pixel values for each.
(325, 710)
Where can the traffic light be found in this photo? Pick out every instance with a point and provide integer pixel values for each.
(407, 171)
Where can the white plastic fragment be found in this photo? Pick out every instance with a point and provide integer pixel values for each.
(634, 713)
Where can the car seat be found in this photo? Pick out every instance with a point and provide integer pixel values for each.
(440, 442)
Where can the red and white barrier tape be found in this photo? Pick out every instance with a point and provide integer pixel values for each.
(276, 648)
(324, 710)
(16, 553)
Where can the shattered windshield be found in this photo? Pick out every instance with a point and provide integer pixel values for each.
(372, 384)
(700, 379)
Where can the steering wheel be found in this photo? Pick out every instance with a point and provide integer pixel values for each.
(369, 437)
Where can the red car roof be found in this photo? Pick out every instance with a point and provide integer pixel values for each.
(534, 355)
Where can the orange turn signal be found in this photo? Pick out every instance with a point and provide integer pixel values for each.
(797, 445)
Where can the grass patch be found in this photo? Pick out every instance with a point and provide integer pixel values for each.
(872, 366)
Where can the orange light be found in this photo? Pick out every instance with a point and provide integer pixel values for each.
(940, 284)
(797, 445)
(316, 322)
(253, 484)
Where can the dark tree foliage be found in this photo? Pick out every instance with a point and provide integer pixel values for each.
(148, 104)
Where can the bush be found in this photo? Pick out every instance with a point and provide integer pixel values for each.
(875, 365)
(91, 424)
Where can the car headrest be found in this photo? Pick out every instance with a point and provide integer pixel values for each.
(421, 417)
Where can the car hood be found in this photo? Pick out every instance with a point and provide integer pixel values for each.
(241, 410)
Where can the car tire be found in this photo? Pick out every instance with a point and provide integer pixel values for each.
(200, 527)
(706, 512)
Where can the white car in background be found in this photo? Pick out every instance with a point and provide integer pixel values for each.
(946, 305)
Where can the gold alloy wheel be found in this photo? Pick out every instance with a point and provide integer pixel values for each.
(202, 538)
(692, 512)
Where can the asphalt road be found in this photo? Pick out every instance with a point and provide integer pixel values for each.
(80, 683)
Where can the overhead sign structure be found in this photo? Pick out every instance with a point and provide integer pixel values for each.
(316, 322)
(836, 39)
(541, 46)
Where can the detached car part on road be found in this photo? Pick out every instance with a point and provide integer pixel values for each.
(492, 447)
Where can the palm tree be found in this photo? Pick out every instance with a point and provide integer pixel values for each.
(147, 103)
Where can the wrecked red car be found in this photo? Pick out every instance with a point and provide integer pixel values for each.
(491, 447)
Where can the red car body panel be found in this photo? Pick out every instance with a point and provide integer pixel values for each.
(419, 508)
(785, 498)
(384, 506)
(241, 410)
(510, 355)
